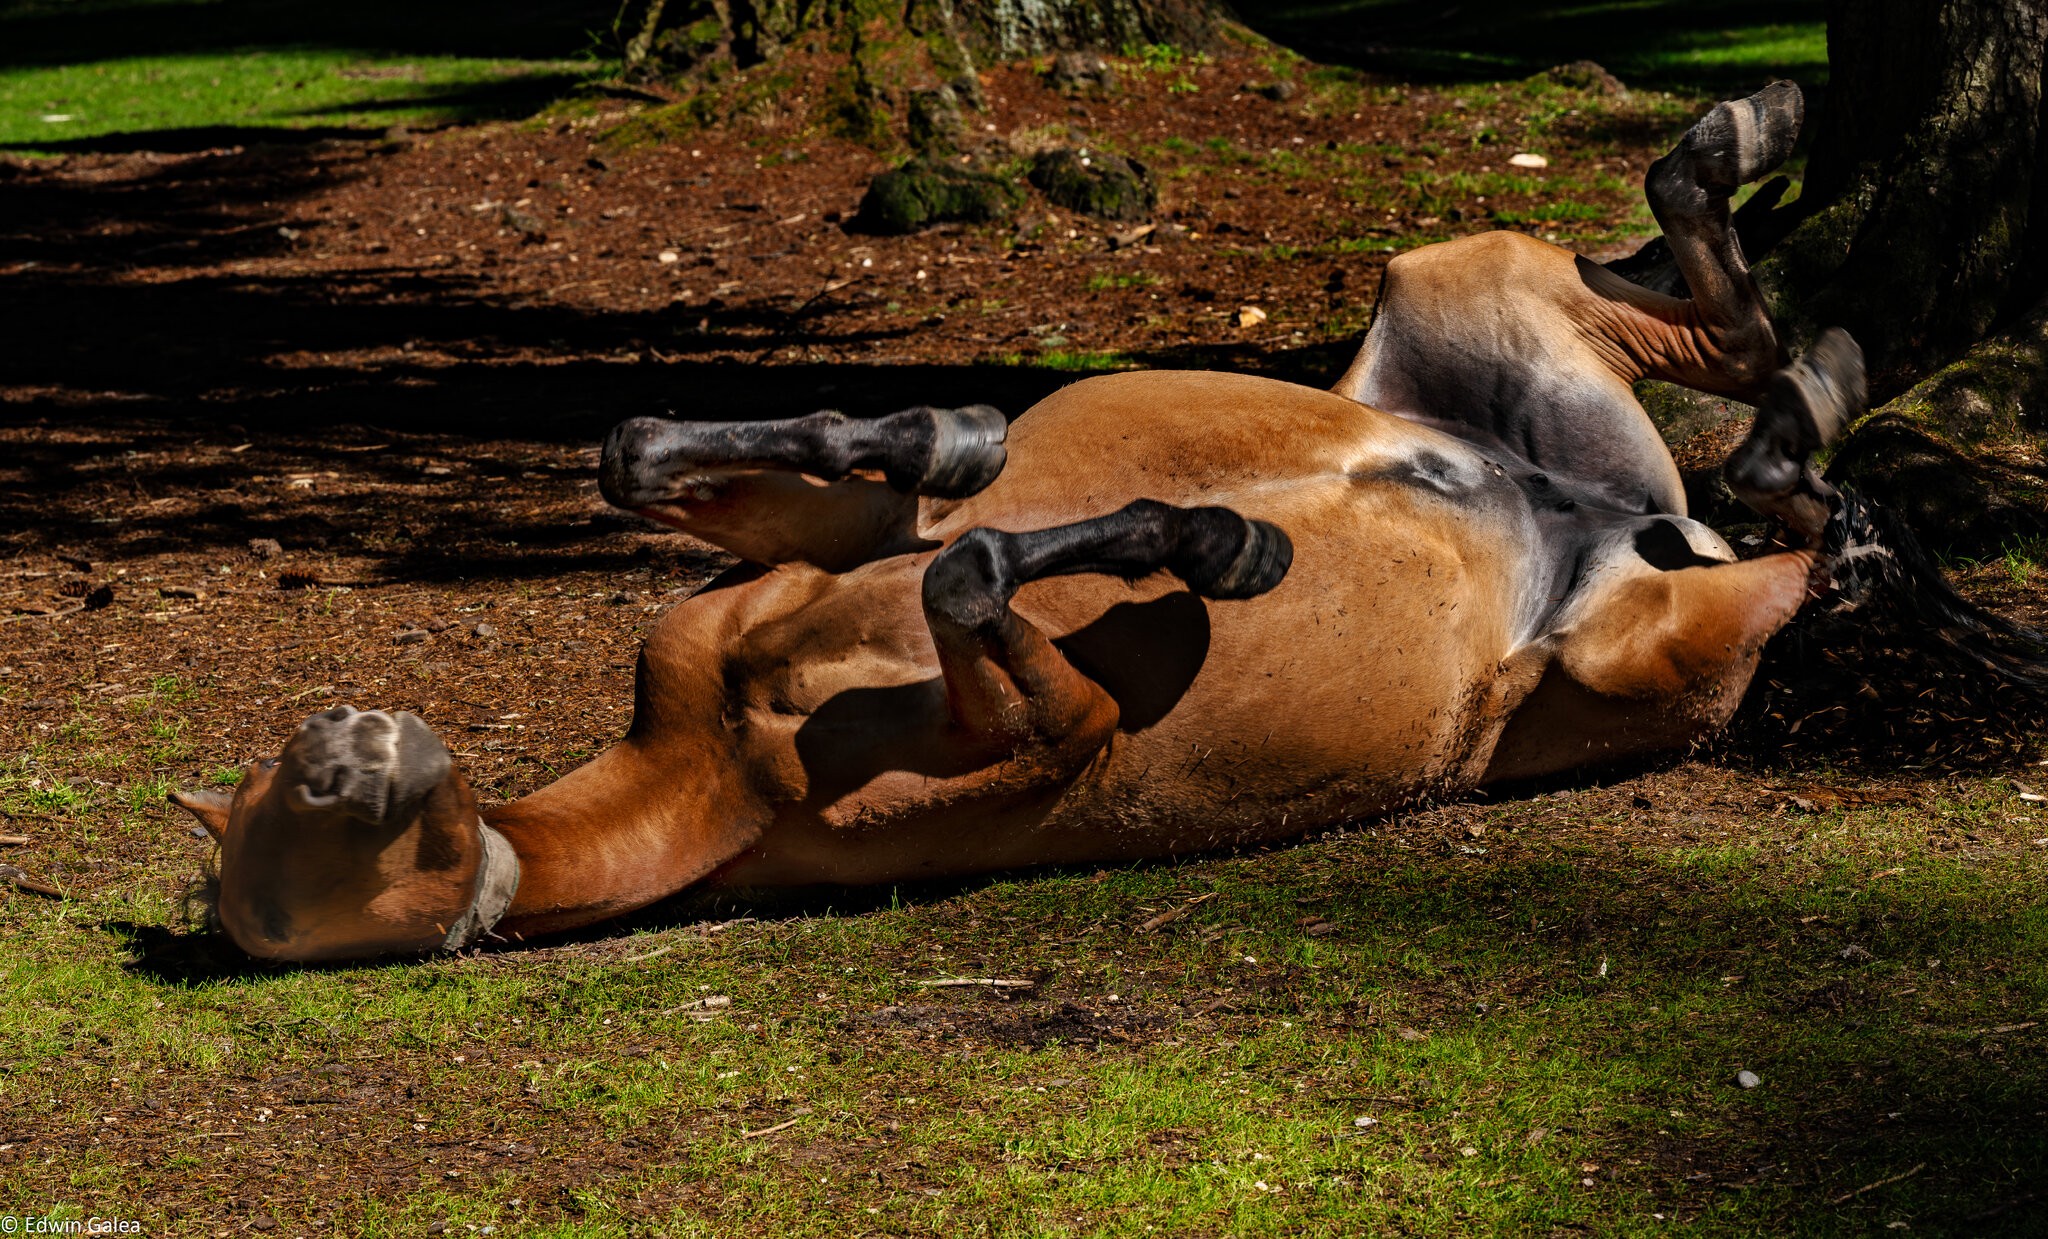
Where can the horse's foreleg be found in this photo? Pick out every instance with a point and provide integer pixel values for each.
(1806, 408)
(1007, 688)
(826, 489)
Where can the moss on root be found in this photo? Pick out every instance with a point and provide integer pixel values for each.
(1964, 454)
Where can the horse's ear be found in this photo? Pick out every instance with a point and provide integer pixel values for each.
(211, 808)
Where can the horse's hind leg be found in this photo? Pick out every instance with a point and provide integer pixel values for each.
(1008, 689)
(1689, 190)
(825, 489)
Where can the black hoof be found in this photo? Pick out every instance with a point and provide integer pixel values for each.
(1227, 556)
(1742, 140)
(964, 451)
(1813, 400)
(376, 767)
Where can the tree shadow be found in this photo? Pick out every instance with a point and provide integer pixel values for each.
(1683, 45)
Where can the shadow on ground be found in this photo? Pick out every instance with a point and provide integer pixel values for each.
(1722, 47)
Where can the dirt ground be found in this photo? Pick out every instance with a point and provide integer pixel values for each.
(318, 424)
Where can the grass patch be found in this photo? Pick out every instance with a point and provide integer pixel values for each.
(1086, 360)
(1539, 1033)
(1106, 281)
(183, 74)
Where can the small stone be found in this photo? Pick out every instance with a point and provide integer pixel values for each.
(1081, 73)
(1247, 316)
(263, 1221)
(485, 631)
(1468, 1151)
(1586, 75)
(1526, 159)
(1747, 1079)
(1365, 1120)
(668, 256)
(520, 222)
(412, 636)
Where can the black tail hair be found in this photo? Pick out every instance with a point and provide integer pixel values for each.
(1881, 558)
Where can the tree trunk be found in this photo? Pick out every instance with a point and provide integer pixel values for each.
(1922, 228)
(1925, 209)
(665, 37)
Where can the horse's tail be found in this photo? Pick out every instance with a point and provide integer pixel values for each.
(1878, 558)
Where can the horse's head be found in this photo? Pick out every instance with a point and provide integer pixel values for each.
(360, 839)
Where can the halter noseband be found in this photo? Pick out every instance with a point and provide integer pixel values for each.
(497, 880)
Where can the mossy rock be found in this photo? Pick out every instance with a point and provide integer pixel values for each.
(925, 192)
(1099, 184)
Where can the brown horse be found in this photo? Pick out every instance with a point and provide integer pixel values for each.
(1229, 610)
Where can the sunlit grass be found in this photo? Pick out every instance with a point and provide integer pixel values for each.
(262, 88)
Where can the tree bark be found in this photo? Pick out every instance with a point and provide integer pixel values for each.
(663, 37)
(1925, 208)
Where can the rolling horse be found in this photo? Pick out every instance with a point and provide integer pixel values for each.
(1159, 613)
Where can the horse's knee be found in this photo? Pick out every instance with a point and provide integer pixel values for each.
(967, 587)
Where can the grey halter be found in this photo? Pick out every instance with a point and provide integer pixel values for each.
(497, 880)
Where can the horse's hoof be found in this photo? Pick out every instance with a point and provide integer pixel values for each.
(1255, 562)
(1742, 140)
(376, 767)
(966, 453)
(1812, 401)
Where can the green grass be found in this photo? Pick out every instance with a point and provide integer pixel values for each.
(1088, 360)
(1107, 281)
(181, 74)
(1543, 1035)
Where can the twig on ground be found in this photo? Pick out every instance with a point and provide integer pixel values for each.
(785, 1125)
(22, 882)
(722, 926)
(790, 319)
(707, 1003)
(1846, 1197)
(2007, 1207)
(13, 841)
(73, 609)
(1173, 914)
(660, 950)
(992, 982)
